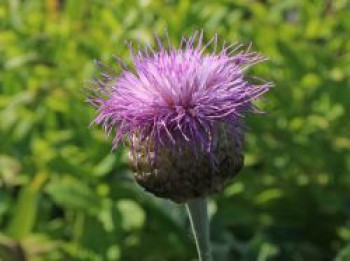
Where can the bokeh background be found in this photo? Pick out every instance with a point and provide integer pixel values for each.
(65, 196)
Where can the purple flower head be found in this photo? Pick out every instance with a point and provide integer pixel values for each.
(176, 97)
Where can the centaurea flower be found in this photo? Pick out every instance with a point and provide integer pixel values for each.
(181, 109)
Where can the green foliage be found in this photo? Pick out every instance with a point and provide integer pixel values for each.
(64, 196)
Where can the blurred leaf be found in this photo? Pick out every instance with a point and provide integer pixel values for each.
(133, 217)
(25, 213)
(72, 194)
(344, 254)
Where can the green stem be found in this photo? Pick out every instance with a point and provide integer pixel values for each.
(198, 214)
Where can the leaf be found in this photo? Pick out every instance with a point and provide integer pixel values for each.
(133, 216)
(72, 194)
(344, 254)
(24, 216)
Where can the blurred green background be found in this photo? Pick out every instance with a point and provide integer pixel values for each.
(65, 196)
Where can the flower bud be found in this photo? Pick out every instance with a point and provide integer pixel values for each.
(179, 175)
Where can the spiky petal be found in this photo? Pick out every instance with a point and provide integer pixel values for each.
(177, 95)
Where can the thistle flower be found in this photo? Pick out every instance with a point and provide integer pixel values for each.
(181, 109)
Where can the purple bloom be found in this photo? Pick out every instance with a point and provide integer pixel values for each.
(178, 96)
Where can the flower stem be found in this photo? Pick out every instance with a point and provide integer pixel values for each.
(198, 214)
